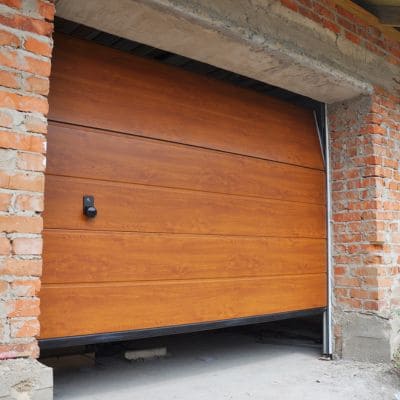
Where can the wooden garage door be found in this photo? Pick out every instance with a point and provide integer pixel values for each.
(210, 198)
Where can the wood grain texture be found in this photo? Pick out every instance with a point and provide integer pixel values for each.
(210, 198)
(87, 309)
(100, 87)
(95, 154)
(116, 257)
(135, 208)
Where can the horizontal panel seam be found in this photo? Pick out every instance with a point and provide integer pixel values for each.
(185, 189)
(179, 281)
(60, 122)
(191, 235)
(48, 229)
(148, 94)
(168, 188)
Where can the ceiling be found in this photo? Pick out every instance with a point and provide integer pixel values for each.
(387, 11)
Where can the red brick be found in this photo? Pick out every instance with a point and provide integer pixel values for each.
(25, 23)
(3, 287)
(27, 246)
(348, 14)
(9, 79)
(31, 161)
(25, 288)
(38, 46)
(11, 3)
(35, 66)
(24, 328)
(378, 282)
(46, 10)
(29, 202)
(371, 129)
(18, 141)
(310, 14)
(346, 24)
(23, 308)
(373, 259)
(15, 59)
(331, 26)
(347, 216)
(290, 4)
(37, 85)
(5, 246)
(20, 224)
(6, 121)
(352, 37)
(307, 3)
(9, 39)
(359, 293)
(340, 270)
(352, 304)
(371, 306)
(18, 267)
(34, 124)
(323, 11)
(13, 350)
(341, 292)
(31, 181)
(5, 199)
(19, 102)
(348, 282)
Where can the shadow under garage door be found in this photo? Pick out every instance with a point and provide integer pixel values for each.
(210, 198)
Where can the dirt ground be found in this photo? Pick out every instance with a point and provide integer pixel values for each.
(234, 365)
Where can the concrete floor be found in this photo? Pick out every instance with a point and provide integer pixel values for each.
(223, 365)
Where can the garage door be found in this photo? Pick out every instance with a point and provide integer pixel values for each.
(209, 197)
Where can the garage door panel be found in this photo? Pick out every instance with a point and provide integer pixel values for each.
(138, 256)
(128, 70)
(147, 117)
(122, 97)
(210, 198)
(90, 309)
(86, 153)
(135, 208)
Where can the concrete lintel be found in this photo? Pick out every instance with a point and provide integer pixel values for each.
(256, 38)
(25, 379)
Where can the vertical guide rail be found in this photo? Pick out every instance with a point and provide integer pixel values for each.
(328, 334)
(321, 120)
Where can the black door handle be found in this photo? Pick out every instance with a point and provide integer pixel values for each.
(88, 206)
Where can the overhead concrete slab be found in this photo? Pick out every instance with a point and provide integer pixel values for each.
(256, 38)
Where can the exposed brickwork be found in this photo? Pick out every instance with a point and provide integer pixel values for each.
(365, 148)
(365, 152)
(341, 21)
(25, 50)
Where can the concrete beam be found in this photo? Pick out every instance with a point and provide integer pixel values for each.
(256, 38)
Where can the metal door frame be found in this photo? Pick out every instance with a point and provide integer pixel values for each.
(321, 119)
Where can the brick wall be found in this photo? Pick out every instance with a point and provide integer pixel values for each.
(365, 148)
(365, 154)
(354, 24)
(25, 49)
(365, 161)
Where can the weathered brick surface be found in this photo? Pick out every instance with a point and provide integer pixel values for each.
(25, 51)
(357, 27)
(365, 152)
(365, 149)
